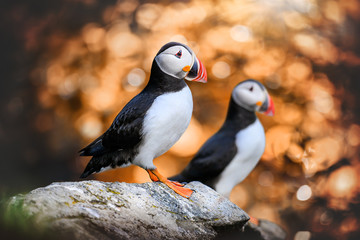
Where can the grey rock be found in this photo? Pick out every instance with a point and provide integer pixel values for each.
(104, 210)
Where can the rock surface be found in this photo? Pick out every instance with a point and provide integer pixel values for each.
(103, 210)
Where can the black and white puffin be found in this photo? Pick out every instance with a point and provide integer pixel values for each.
(153, 120)
(231, 154)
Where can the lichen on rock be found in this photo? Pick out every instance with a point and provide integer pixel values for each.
(104, 210)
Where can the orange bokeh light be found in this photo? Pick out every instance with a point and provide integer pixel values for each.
(283, 44)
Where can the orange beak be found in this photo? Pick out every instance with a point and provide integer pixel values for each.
(197, 72)
(270, 110)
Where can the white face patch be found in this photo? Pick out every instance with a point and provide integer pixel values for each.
(174, 59)
(247, 94)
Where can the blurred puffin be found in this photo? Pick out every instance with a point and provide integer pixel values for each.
(153, 120)
(229, 155)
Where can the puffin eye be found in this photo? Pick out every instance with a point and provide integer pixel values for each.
(178, 54)
(251, 89)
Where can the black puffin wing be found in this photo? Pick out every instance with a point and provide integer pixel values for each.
(126, 130)
(211, 159)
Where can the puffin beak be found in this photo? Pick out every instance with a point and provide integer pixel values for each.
(197, 72)
(270, 110)
(267, 107)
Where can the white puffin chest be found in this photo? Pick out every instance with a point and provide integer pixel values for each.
(164, 123)
(250, 144)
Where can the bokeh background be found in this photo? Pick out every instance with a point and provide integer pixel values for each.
(68, 67)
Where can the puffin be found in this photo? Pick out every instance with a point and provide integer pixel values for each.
(152, 121)
(231, 154)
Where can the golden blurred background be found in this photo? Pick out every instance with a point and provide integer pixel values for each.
(70, 67)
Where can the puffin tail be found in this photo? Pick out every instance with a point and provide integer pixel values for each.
(93, 149)
(85, 174)
(100, 163)
(91, 167)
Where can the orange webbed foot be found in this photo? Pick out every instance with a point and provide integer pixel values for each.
(175, 186)
(182, 191)
(177, 183)
(254, 221)
(152, 176)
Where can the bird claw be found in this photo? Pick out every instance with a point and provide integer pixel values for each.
(177, 183)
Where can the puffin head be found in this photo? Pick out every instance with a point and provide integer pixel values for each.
(252, 95)
(179, 61)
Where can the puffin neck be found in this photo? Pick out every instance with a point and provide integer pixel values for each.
(238, 116)
(162, 82)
